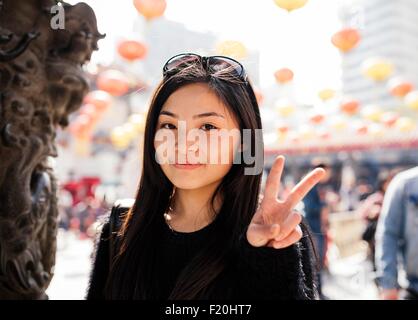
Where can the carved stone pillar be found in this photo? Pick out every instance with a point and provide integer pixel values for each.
(41, 83)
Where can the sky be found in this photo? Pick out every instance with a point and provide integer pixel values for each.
(299, 40)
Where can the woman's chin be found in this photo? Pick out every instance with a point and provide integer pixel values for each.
(187, 184)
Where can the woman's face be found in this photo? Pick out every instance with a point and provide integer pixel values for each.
(196, 137)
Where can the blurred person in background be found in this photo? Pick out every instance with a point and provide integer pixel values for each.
(316, 215)
(85, 214)
(349, 196)
(370, 209)
(65, 209)
(397, 237)
(363, 190)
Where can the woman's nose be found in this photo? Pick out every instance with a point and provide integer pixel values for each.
(189, 147)
(193, 148)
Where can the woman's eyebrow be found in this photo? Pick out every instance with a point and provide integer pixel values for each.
(201, 115)
(208, 114)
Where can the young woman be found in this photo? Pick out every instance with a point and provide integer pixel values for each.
(198, 228)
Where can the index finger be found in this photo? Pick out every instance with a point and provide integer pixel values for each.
(273, 179)
(304, 186)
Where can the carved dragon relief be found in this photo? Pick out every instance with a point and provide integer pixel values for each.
(41, 83)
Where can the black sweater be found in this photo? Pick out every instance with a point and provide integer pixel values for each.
(256, 273)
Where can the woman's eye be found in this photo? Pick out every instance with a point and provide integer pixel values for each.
(167, 126)
(208, 127)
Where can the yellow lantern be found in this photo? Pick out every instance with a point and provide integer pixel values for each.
(130, 130)
(121, 144)
(284, 108)
(231, 48)
(281, 137)
(82, 146)
(282, 132)
(411, 100)
(117, 133)
(290, 5)
(377, 69)
(119, 137)
(138, 121)
(306, 132)
(372, 113)
(405, 124)
(338, 123)
(376, 130)
(326, 94)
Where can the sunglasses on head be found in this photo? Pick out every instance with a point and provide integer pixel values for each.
(211, 64)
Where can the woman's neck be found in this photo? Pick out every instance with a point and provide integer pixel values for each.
(192, 208)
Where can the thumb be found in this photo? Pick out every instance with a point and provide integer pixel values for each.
(259, 234)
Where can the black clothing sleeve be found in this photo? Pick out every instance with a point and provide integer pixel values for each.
(100, 263)
(271, 274)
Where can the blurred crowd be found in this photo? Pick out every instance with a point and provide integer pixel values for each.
(80, 218)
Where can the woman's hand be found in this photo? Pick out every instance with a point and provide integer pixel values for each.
(276, 223)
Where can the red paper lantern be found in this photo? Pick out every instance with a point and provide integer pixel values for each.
(316, 118)
(389, 118)
(349, 106)
(100, 99)
(362, 129)
(113, 82)
(399, 87)
(283, 75)
(346, 39)
(283, 129)
(324, 134)
(90, 110)
(150, 9)
(132, 50)
(82, 126)
(295, 139)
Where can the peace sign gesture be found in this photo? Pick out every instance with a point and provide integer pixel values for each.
(276, 223)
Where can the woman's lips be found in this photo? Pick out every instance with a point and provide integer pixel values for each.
(187, 165)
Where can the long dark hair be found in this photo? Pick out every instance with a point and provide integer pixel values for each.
(132, 275)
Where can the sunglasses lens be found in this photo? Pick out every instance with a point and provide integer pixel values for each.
(214, 64)
(225, 64)
(181, 62)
